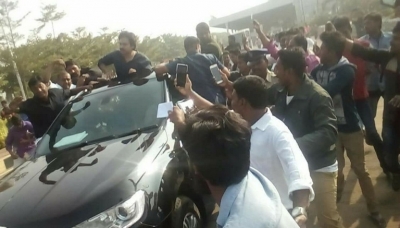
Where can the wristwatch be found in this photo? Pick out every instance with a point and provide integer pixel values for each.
(297, 211)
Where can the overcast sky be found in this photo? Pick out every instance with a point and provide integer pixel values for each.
(143, 17)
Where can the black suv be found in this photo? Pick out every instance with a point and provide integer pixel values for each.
(106, 161)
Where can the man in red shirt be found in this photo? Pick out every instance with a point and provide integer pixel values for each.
(360, 92)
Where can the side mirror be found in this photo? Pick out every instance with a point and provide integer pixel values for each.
(390, 3)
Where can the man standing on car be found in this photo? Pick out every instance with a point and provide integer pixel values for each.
(208, 45)
(218, 144)
(198, 70)
(128, 62)
(44, 106)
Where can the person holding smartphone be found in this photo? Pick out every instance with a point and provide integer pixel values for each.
(199, 71)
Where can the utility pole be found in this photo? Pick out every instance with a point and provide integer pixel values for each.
(21, 86)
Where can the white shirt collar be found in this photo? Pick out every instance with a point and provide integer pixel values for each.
(263, 122)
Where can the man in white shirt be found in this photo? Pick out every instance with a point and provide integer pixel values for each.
(274, 151)
(217, 141)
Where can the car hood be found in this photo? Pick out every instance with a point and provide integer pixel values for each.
(57, 185)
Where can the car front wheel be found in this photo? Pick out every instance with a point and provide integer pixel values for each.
(185, 214)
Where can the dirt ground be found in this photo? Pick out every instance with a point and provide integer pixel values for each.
(352, 207)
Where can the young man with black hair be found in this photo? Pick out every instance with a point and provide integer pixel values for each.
(218, 143)
(233, 55)
(233, 45)
(312, 60)
(389, 66)
(45, 105)
(84, 76)
(242, 68)
(128, 62)
(20, 140)
(336, 75)
(226, 60)
(360, 91)
(198, 70)
(208, 45)
(307, 110)
(258, 62)
(378, 40)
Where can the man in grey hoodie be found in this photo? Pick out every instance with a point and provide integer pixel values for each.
(336, 75)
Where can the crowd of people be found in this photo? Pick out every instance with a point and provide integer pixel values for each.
(270, 140)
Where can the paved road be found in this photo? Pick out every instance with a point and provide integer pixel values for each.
(352, 207)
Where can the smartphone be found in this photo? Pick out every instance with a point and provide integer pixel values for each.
(215, 72)
(181, 72)
(185, 105)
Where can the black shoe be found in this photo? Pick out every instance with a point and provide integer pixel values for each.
(396, 182)
(378, 220)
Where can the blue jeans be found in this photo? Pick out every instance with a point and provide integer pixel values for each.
(371, 133)
(391, 142)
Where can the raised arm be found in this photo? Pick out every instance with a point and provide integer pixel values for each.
(367, 53)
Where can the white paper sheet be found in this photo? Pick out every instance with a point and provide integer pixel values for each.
(71, 139)
(163, 109)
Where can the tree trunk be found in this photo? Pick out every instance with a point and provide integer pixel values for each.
(54, 32)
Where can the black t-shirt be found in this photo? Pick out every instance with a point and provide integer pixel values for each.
(140, 63)
(42, 114)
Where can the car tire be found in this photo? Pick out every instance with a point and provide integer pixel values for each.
(185, 214)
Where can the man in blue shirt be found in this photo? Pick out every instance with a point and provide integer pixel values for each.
(336, 75)
(218, 143)
(381, 41)
(198, 70)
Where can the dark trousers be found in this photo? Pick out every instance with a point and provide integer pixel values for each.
(373, 100)
(366, 116)
(391, 137)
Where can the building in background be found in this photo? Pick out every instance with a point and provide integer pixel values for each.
(274, 14)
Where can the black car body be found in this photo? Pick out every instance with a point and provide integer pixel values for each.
(81, 179)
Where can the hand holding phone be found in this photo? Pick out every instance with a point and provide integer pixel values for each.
(181, 72)
(216, 73)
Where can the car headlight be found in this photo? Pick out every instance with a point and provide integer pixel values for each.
(122, 215)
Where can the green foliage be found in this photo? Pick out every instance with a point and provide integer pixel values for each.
(3, 133)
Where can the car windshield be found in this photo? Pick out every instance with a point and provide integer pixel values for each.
(109, 113)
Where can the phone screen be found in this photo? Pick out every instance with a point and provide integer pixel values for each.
(215, 72)
(186, 105)
(181, 72)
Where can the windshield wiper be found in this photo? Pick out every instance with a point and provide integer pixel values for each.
(110, 137)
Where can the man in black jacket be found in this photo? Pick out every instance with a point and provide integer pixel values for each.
(307, 109)
(390, 68)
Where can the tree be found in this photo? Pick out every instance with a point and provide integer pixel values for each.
(50, 15)
(6, 8)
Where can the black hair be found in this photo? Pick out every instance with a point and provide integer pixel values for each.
(396, 28)
(15, 120)
(218, 144)
(301, 41)
(70, 62)
(282, 34)
(34, 80)
(61, 73)
(225, 53)
(294, 59)
(130, 36)
(302, 29)
(244, 56)
(234, 51)
(202, 27)
(342, 22)
(375, 17)
(232, 37)
(253, 89)
(191, 42)
(334, 41)
(293, 32)
(3, 102)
